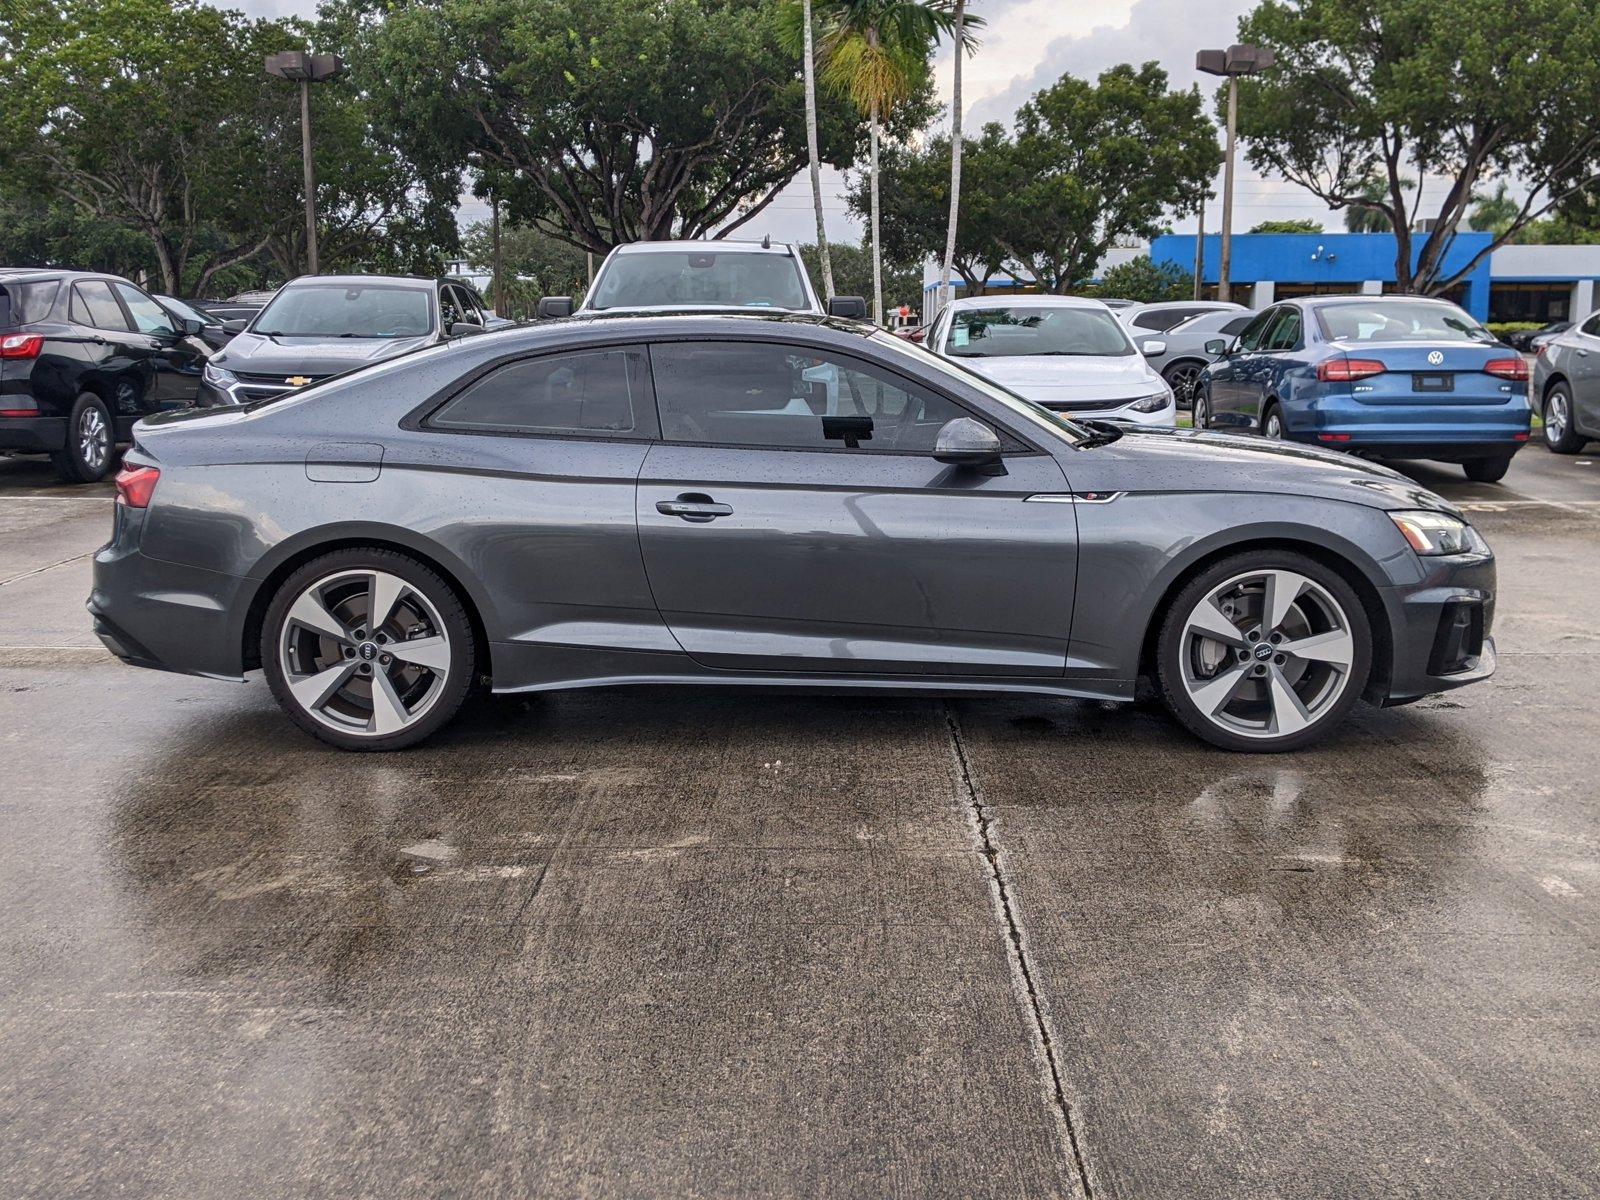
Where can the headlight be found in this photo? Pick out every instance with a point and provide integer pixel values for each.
(1154, 402)
(1434, 533)
(218, 376)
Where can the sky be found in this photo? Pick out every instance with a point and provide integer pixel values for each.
(1027, 45)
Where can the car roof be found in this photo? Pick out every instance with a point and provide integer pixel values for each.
(1387, 297)
(355, 280)
(1030, 300)
(21, 274)
(783, 248)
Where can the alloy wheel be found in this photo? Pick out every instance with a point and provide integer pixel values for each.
(1182, 380)
(1266, 654)
(1202, 411)
(364, 652)
(1555, 417)
(94, 438)
(1273, 427)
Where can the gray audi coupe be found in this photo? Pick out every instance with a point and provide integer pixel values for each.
(768, 501)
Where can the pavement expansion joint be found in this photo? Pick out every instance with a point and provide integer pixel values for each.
(1017, 947)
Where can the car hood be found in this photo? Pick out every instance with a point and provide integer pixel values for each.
(256, 354)
(1189, 460)
(1052, 379)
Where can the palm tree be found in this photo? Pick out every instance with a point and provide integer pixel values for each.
(876, 52)
(807, 48)
(963, 44)
(1362, 218)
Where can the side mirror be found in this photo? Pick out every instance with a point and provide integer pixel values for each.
(463, 328)
(853, 308)
(236, 325)
(551, 307)
(192, 327)
(1154, 348)
(1217, 347)
(965, 442)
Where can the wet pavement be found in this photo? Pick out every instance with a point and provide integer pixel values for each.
(696, 944)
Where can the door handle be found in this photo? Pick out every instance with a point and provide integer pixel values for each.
(694, 506)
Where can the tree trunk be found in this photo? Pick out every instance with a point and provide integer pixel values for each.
(171, 269)
(877, 248)
(811, 146)
(955, 160)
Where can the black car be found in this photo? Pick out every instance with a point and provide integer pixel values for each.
(213, 332)
(1522, 339)
(82, 357)
(322, 325)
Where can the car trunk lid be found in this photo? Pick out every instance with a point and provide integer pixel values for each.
(1429, 373)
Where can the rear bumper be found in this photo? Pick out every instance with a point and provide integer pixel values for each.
(1452, 432)
(162, 615)
(1441, 629)
(33, 435)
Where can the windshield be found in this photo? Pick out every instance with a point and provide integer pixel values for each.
(1016, 331)
(336, 310)
(1037, 415)
(25, 303)
(1399, 321)
(689, 278)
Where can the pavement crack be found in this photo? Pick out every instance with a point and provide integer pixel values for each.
(29, 574)
(1017, 947)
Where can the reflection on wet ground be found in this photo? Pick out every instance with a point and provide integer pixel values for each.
(690, 943)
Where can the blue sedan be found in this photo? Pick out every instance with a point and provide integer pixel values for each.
(1386, 376)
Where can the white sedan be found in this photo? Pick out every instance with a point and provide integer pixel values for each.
(1064, 352)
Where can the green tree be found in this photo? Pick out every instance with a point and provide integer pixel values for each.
(1298, 225)
(877, 55)
(1467, 91)
(534, 264)
(608, 120)
(799, 32)
(1141, 280)
(1492, 213)
(852, 264)
(1365, 213)
(1098, 163)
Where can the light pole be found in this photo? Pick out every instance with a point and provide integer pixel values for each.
(299, 66)
(1232, 62)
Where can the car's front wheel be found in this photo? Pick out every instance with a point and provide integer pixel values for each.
(1183, 377)
(368, 649)
(1560, 431)
(1202, 408)
(1264, 651)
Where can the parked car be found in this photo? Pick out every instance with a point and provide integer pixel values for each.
(1186, 354)
(1152, 320)
(1064, 352)
(231, 310)
(213, 332)
(1522, 339)
(322, 325)
(658, 500)
(688, 276)
(1544, 336)
(82, 357)
(1386, 376)
(1566, 386)
(491, 319)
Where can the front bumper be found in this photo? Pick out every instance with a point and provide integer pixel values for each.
(158, 614)
(1162, 418)
(1440, 628)
(33, 435)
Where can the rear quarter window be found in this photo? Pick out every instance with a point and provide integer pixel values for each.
(25, 303)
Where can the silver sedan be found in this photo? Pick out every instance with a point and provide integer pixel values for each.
(1566, 386)
(1185, 355)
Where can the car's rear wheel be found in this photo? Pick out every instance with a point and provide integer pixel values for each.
(1183, 377)
(368, 649)
(1264, 651)
(1560, 431)
(91, 442)
(1487, 470)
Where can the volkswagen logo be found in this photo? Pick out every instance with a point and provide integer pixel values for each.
(1435, 357)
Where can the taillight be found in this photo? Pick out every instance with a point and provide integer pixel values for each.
(21, 345)
(19, 406)
(1343, 370)
(135, 485)
(1507, 368)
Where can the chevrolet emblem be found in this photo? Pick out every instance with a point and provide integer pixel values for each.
(298, 380)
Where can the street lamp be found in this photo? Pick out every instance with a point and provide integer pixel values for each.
(303, 68)
(1232, 62)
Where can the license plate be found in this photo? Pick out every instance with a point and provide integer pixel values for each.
(1423, 382)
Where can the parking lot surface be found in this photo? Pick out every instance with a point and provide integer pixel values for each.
(687, 943)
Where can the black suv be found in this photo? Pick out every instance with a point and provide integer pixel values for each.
(82, 357)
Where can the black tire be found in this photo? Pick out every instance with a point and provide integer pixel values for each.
(1487, 470)
(76, 463)
(1202, 409)
(458, 677)
(1176, 373)
(1569, 441)
(1170, 648)
(1273, 412)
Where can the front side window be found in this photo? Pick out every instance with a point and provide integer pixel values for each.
(593, 392)
(790, 397)
(94, 305)
(1592, 325)
(148, 316)
(1255, 332)
(1022, 330)
(700, 278)
(1399, 321)
(1236, 326)
(1285, 333)
(332, 310)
